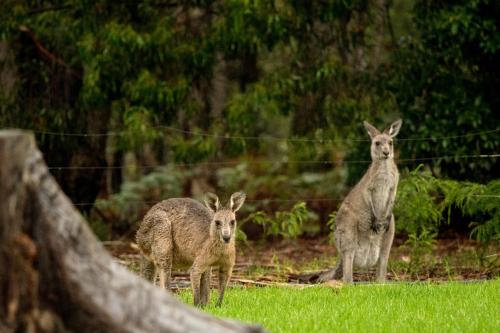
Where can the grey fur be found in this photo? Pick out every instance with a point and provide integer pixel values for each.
(364, 226)
(182, 232)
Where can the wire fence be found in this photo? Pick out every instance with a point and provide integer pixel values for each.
(263, 161)
(291, 200)
(247, 200)
(269, 161)
(258, 138)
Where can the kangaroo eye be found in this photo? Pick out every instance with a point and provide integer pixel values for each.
(377, 143)
(232, 223)
(218, 223)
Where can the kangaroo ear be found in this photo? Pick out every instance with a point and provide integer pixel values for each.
(236, 201)
(393, 130)
(211, 201)
(372, 131)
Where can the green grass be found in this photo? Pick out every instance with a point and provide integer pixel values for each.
(450, 307)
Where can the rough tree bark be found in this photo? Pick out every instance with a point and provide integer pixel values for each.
(54, 274)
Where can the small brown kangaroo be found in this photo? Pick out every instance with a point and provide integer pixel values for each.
(181, 233)
(364, 225)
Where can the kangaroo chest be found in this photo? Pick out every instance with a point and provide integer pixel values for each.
(381, 189)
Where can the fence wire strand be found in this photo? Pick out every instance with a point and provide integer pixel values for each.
(263, 161)
(257, 138)
(280, 200)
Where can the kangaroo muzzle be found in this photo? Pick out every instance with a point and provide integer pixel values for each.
(226, 234)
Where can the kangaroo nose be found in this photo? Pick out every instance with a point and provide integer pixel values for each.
(226, 238)
(386, 153)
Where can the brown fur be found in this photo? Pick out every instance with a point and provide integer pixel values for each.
(364, 225)
(181, 233)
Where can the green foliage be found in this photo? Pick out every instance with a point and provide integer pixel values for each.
(421, 244)
(277, 181)
(137, 120)
(482, 203)
(424, 202)
(488, 231)
(277, 187)
(126, 208)
(193, 150)
(442, 79)
(233, 77)
(418, 207)
(287, 224)
(101, 229)
(291, 68)
(331, 225)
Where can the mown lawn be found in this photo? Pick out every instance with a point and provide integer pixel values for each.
(450, 307)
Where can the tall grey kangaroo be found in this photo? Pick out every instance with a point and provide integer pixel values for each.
(364, 226)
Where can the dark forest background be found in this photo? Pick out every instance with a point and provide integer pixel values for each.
(132, 102)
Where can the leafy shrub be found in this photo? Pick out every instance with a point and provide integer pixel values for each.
(331, 225)
(276, 181)
(420, 243)
(441, 80)
(416, 207)
(424, 202)
(287, 224)
(482, 204)
(100, 229)
(126, 207)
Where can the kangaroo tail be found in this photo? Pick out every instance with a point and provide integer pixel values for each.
(322, 276)
(339, 272)
(333, 274)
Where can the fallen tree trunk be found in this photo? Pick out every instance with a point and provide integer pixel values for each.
(54, 274)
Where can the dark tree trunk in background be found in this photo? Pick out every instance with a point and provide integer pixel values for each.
(305, 117)
(249, 70)
(114, 175)
(48, 84)
(54, 274)
(78, 156)
(82, 185)
(380, 9)
(8, 71)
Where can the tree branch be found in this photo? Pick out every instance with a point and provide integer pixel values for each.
(46, 54)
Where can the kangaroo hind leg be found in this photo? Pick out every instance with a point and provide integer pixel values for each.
(162, 253)
(385, 249)
(146, 268)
